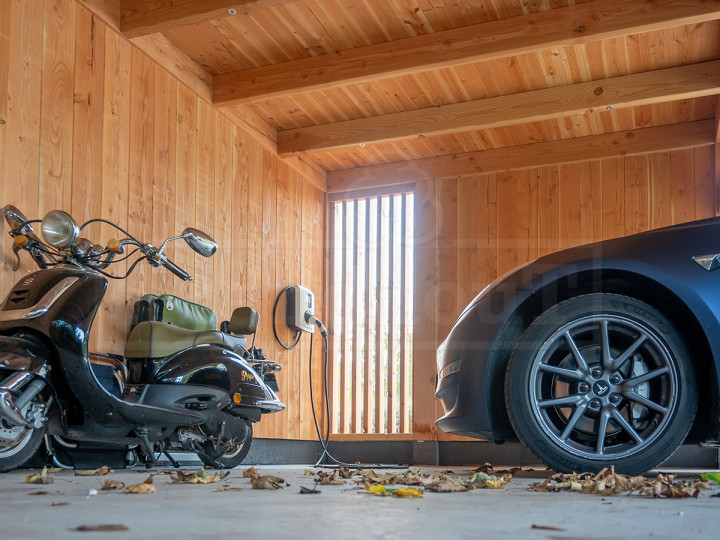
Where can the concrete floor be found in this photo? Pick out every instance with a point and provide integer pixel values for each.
(339, 512)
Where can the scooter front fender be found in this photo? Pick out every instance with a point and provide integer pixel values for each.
(211, 365)
(23, 352)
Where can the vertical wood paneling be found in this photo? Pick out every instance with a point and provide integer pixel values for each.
(91, 125)
(56, 124)
(115, 181)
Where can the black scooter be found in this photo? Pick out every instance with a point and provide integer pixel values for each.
(182, 385)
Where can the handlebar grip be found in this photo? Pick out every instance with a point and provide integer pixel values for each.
(175, 269)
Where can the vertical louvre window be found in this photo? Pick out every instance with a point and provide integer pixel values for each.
(371, 287)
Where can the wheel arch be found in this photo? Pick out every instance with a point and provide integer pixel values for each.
(706, 424)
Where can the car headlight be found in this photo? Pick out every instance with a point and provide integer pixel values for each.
(59, 229)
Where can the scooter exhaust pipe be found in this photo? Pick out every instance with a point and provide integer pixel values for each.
(10, 407)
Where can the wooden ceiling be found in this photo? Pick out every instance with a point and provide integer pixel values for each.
(351, 84)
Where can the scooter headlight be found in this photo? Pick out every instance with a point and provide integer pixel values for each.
(59, 229)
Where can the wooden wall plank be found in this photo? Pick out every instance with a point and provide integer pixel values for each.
(637, 186)
(163, 179)
(111, 327)
(56, 124)
(140, 196)
(682, 171)
(704, 188)
(5, 32)
(660, 190)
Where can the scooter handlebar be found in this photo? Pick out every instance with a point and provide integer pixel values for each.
(175, 269)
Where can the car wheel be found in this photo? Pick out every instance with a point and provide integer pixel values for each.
(601, 380)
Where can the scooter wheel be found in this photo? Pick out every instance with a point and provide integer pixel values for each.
(232, 456)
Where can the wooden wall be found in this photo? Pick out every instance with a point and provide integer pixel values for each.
(473, 229)
(94, 127)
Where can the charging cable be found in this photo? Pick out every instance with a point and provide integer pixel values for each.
(274, 326)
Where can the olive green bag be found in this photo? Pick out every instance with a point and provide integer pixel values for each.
(182, 313)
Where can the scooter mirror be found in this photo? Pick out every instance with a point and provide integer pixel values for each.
(200, 242)
(14, 217)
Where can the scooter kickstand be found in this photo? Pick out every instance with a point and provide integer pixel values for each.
(147, 455)
(171, 459)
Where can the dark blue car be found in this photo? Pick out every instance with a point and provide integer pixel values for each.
(604, 354)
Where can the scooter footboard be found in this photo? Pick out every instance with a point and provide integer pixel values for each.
(200, 402)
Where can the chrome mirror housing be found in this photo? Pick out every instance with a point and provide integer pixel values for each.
(200, 242)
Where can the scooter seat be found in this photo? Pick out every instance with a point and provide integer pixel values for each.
(153, 339)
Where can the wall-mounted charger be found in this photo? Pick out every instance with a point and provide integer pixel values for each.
(300, 301)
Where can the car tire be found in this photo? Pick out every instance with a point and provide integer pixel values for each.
(601, 380)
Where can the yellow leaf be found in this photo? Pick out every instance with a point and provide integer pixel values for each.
(112, 484)
(41, 478)
(144, 487)
(407, 492)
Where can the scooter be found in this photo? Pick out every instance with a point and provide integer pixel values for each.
(182, 385)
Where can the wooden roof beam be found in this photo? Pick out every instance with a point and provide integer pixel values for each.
(622, 143)
(142, 17)
(686, 82)
(717, 121)
(571, 25)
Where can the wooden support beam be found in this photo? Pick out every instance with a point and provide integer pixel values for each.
(717, 121)
(622, 143)
(481, 42)
(686, 82)
(142, 17)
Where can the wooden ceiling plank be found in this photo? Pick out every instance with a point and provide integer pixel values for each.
(673, 84)
(143, 17)
(624, 143)
(524, 34)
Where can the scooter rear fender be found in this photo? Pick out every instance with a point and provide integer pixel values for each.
(215, 366)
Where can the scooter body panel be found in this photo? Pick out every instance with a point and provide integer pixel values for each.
(215, 366)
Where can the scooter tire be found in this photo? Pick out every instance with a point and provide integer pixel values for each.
(16, 455)
(232, 457)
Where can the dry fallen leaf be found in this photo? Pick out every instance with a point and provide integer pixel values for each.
(267, 482)
(102, 528)
(663, 486)
(546, 527)
(59, 503)
(110, 485)
(489, 481)
(144, 487)
(228, 488)
(39, 493)
(252, 472)
(102, 471)
(198, 477)
(447, 485)
(308, 491)
(325, 479)
(41, 478)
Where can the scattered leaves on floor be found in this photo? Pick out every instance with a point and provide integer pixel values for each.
(267, 482)
(481, 480)
(41, 478)
(110, 485)
(143, 487)
(102, 471)
(113, 527)
(712, 476)
(59, 503)
(197, 477)
(39, 493)
(228, 488)
(447, 485)
(334, 479)
(608, 482)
